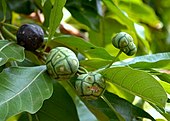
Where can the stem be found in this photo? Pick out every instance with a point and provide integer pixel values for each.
(46, 44)
(82, 70)
(11, 26)
(1, 36)
(13, 37)
(14, 64)
(114, 59)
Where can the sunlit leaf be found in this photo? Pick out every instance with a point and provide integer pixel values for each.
(55, 17)
(80, 45)
(23, 89)
(140, 12)
(158, 60)
(120, 15)
(165, 86)
(138, 83)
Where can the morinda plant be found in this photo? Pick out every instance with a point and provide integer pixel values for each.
(80, 60)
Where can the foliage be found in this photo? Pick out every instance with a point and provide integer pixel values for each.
(136, 86)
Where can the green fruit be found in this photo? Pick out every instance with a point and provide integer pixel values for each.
(62, 63)
(124, 42)
(90, 85)
(30, 36)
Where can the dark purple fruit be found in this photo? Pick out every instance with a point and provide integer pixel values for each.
(30, 36)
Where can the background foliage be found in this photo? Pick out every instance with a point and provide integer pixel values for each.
(137, 86)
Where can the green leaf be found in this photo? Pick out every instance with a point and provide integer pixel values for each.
(140, 12)
(120, 15)
(165, 86)
(127, 110)
(23, 89)
(55, 17)
(83, 112)
(164, 77)
(138, 83)
(80, 45)
(10, 51)
(158, 60)
(85, 12)
(103, 37)
(46, 9)
(118, 91)
(103, 107)
(95, 63)
(60, 107)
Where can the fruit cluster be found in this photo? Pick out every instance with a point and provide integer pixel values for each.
(62, 63)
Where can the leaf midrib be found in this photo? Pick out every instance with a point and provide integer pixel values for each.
(24, 87)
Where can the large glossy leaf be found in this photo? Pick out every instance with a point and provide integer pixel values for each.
(80, 45)
(60, 107)
(118, 91)
(55, 17)
(138, 83)
(10, 50)
(23, 89)
(103, 107)
(127, 110)
(158, 60)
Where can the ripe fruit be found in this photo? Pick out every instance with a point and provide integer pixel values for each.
(62, 63)
(30, 36)
(124, 42)
(90, 85)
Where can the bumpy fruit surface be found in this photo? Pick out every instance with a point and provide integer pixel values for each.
(62, 63)
(30, 36)
(90, 85)
(124, 42)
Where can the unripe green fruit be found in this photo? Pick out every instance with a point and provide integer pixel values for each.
(124, 42)
(62, 63)
(90, 85)
(30, 36)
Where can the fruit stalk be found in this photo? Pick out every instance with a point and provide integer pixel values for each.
(3, 29)
(114, 59)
